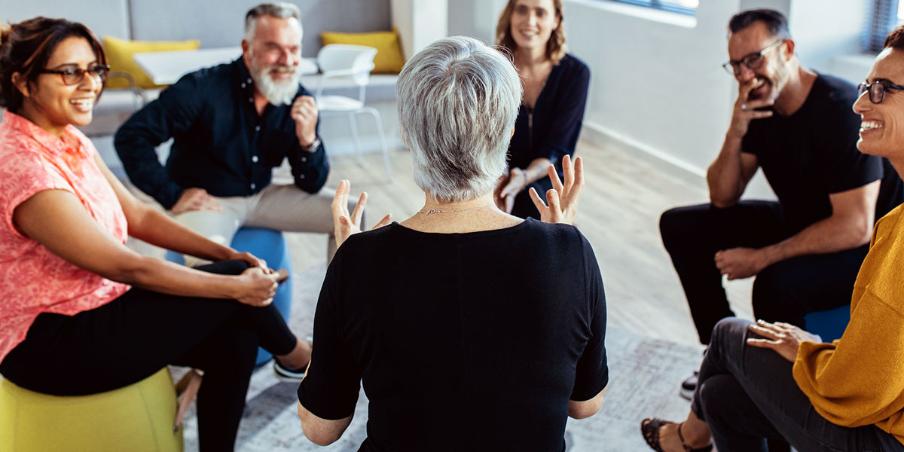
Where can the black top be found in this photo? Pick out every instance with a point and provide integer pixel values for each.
(813, 153)
(550, 130)
(220, 142)
(464, 342)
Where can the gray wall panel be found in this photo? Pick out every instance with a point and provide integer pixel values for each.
(104, 17)
(220, 23)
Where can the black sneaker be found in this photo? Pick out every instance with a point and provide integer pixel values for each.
(688, 386)
(288, 374)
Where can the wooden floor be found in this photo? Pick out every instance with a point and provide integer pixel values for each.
(619, 213)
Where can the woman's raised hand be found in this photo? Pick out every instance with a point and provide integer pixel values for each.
(345, 224)
(563, 197)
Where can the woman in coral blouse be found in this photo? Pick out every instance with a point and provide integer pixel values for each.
(766, 381)
(79, 312)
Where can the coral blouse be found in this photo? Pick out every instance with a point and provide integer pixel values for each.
(33, 280)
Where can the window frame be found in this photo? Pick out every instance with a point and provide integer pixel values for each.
(882, 20)
(659, 6)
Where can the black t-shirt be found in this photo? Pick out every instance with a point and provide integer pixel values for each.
(470, 341)
(813, 153)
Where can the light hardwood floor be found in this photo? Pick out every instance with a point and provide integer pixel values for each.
(619, 213)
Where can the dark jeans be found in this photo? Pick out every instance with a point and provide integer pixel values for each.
(747, 395)
(135, 335)
(784, 291)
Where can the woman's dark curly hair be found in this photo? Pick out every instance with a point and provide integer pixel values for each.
(25, 48)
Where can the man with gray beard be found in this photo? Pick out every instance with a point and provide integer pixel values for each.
(231, 125)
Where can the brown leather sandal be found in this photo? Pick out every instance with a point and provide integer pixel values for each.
(649, 428)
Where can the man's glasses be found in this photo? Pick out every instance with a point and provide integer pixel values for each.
(877, 89)
(73, 75)
(752, 61)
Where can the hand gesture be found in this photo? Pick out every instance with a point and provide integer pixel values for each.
(781, 337)
(563, 197)
(508, 188)
(740, 263)
(745, 109)
(195, 199)
(304, 113)
(248, 258)
(344, 225)
(256, 286)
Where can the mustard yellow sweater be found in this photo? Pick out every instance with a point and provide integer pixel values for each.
(859, 379)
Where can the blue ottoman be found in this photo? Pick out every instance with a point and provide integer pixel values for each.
(828, 324)
(269, 245)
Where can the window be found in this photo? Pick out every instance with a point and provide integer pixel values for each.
(886, 14)
(688, 7)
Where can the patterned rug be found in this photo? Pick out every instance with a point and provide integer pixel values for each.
(644, 379)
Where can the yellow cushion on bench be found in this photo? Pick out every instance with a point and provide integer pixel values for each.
(120, 54)
(389, 59)
(138, 417)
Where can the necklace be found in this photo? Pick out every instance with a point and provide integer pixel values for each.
(438, 210)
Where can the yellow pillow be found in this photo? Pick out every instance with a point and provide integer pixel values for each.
(389, 59)
(119, 56)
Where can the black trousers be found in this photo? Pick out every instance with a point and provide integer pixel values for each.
(784, 291)
(135, 335)
(524, 206)
(748, 395)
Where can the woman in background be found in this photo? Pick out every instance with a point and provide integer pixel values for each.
(552, 107)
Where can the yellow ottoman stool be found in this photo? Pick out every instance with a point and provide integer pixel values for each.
(137, 418)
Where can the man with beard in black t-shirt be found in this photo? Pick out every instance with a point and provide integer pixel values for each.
(806, 248)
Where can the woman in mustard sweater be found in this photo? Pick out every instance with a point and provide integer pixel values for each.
(765, 381)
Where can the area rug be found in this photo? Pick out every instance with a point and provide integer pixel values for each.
(644, 378)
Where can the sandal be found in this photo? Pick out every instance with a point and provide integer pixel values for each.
(649, 427)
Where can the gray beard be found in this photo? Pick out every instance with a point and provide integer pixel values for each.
(277, 93)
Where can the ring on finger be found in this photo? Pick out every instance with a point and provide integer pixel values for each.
(744, 107)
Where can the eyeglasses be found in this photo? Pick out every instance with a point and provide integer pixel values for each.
(73, 75)
(752, 61)
(877, 89)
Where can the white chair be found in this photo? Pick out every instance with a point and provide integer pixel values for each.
(349, 65)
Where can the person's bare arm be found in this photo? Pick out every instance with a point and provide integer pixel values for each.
(322, 432)
(58, 221)
(155, 227)
(850, 226)
(731, 171)
(586, 408)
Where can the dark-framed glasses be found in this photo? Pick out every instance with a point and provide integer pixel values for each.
(752, 61)
(877, 89)
(73, 75)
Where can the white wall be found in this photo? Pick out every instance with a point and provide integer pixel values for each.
(475, 18)
(657, 85)
(419, 22)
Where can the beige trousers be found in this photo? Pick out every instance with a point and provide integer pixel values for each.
(283, 207)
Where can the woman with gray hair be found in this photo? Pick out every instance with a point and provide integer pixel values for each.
(450, 318)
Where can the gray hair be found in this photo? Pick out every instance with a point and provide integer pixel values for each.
(282, 10)
(458, 101)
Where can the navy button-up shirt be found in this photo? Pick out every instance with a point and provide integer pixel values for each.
(220, 143)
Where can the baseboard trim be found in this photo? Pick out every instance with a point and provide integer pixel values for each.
(601, 136)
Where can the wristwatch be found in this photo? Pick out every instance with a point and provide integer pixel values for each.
(313, 146)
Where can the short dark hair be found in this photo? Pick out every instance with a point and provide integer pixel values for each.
(895, 39)
(25, 48)
(775, 22)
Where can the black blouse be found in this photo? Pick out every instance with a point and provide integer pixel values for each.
(550, 129)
